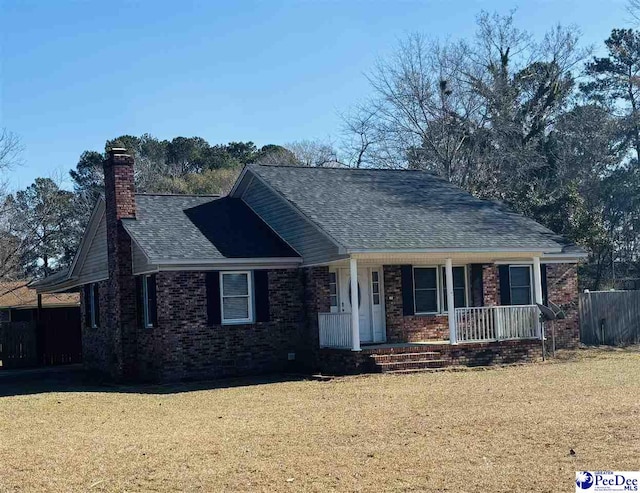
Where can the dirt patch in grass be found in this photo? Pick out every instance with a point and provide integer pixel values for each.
(508, 429)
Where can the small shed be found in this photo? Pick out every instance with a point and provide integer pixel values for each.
(38, 330)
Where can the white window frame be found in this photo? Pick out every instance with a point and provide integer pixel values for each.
(438, 289)
(249, 295)
(379, 283)
(145, 302)
(92, 305)
(466, 287)
(336, 308)
(530, 267)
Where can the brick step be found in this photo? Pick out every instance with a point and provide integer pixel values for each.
(424, 364)
(418, 348)
(417, 370)
(394, 357)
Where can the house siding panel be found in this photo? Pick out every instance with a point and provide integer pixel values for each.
(311, 244)
(95, 266)
(140, 261)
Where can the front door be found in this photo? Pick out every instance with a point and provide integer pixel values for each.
(370, 302)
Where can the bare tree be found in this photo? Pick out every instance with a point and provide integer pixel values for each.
(360, 136)
(314, 153)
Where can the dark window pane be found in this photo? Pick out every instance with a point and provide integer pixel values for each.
(520, 276)
(520, 296)
(376, 299)
(425, 278)
(375, 276)
(426, 301)
(458, 297)
(332, 277)
(458, 277)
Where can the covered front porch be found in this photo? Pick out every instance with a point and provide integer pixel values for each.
(423, 299)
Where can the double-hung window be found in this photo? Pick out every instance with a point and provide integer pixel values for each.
(426, 295)
(520, 284)
(92, 305)
(236, 295)
(149, 306)
(430, 289)
(459, 288)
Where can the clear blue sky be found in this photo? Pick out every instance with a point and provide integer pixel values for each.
(75, 73)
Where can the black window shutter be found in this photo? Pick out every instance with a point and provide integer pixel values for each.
(505, 285)
(139, 309)
(96, 303)
(153, 305)
(214, 316)
(545, 289)
(261, 290)
(477, 287)
(407, 290)
(87, 305)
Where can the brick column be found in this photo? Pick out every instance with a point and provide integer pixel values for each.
(121, 313)
(490, 285)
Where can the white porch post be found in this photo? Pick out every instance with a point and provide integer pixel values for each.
(537, 280)
(537, 288)
(355, 312)
(451, 309)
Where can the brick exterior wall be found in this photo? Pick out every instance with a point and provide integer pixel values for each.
(562, 288)
(411, 328)
(184, 346)
(316, 300)
(97, 343)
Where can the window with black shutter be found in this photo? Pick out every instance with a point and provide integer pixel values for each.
(95, 305)
(149, 302)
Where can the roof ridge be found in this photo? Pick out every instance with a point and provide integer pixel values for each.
(344, 168)
(159, 194)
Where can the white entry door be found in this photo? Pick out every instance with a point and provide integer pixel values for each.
(371, 301)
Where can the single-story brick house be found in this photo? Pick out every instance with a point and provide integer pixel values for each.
(312, 269)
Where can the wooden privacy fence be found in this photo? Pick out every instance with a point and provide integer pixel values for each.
(610, 317)
(18, 344)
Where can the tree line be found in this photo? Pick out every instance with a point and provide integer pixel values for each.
(538, 124)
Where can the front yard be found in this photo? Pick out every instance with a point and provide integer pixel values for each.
(507, 429)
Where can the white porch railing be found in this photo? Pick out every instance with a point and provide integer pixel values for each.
(335, 330)
(496, 323)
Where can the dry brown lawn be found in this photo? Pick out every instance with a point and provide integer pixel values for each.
(508, 429)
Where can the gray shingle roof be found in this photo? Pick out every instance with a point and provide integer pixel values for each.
(368, 209)
(195, 228)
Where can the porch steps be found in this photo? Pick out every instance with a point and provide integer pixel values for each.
(408, 362)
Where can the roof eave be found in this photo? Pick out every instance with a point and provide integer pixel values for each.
(542, 250)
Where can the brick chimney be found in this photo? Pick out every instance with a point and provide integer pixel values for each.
(121, 323)
(118, 184)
